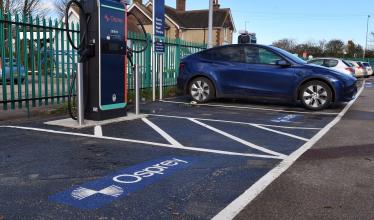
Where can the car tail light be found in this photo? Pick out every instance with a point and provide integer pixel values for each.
(182, 67)
(350, 69)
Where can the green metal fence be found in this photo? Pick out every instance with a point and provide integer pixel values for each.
(369, 60)
(37, 62)
(175, 50)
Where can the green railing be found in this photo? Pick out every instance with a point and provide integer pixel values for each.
(175, 49)
(369, 60)
(37, 62)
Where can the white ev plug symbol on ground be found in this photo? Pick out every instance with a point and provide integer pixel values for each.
(83, 193)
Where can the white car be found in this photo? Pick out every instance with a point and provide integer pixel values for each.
(335, 64)
(369, 69)
(360, 70)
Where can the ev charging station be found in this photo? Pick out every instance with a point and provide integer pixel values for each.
(104, 74)
(104, 55)
(101, 78)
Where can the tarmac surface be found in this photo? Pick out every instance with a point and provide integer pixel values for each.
(188, 161)
(333, 180)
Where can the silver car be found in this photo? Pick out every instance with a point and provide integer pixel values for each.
(335, 64)
(369, 69)
(360, 70)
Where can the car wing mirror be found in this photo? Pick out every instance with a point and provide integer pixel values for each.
(283, 63)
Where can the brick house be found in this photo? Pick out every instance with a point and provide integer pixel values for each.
(191, 25)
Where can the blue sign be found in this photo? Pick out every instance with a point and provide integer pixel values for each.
(159, 25)
(93, 195)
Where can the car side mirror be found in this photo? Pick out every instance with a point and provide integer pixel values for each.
(282, 63)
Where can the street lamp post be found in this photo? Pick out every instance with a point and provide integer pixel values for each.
(210, 25)
(367, 32)
(245, 24)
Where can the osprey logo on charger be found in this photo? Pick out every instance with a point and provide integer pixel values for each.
(93, 195)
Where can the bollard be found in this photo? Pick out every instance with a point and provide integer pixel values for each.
(137, 90)
(80, 94)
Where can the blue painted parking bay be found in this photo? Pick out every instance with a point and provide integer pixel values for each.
(181, 162)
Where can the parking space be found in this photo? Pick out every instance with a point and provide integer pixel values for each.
(182, 161)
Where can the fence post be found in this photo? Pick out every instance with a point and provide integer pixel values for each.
(178, 55)
(2, 44)
(18, 62)
(25, 58)
(148, 61)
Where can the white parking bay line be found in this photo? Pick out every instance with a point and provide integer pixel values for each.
(153, 144)
(280, 132)
(250, 194)
(253, 108)
(236, 122)
(251, 145)
(162, 133)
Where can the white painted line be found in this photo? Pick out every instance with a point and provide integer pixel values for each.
(254, 108)
(281, 133)
(263, 127)
(235, 122)
(165, 135)
(153, 144)
(251, 145)
(289, 127)
(250, 194)
(98, 131)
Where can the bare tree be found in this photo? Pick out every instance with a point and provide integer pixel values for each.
(60, 6)
(286, 44)
(24, 7)
(335, 48)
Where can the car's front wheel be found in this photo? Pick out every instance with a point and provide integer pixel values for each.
(316, 95)
(201, 90)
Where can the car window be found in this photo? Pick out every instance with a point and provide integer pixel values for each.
(228, 54)
(348, 63)
(255, 55)
(316, 62)
(330, 63)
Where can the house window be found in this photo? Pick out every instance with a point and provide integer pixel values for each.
(225, 34)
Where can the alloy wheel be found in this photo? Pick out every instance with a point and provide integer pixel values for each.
(200, 90)
(315, 96)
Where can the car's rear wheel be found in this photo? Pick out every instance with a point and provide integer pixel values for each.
(316, 95)
(201, 90)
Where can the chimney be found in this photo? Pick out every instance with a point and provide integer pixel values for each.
(216, 5)
(181, 5)
(140, 2)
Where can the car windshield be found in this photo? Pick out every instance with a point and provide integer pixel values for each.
(366, 64)
(289, 55)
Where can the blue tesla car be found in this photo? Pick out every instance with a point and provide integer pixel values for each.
(263, 72)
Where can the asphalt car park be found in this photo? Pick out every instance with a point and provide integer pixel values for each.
(182, 161)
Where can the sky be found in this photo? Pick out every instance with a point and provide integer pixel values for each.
(302, 20)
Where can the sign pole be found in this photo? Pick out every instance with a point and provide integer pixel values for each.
(161, 74)
(153, 57)
(158, 44)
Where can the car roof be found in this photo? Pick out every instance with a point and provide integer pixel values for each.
(326, 58)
